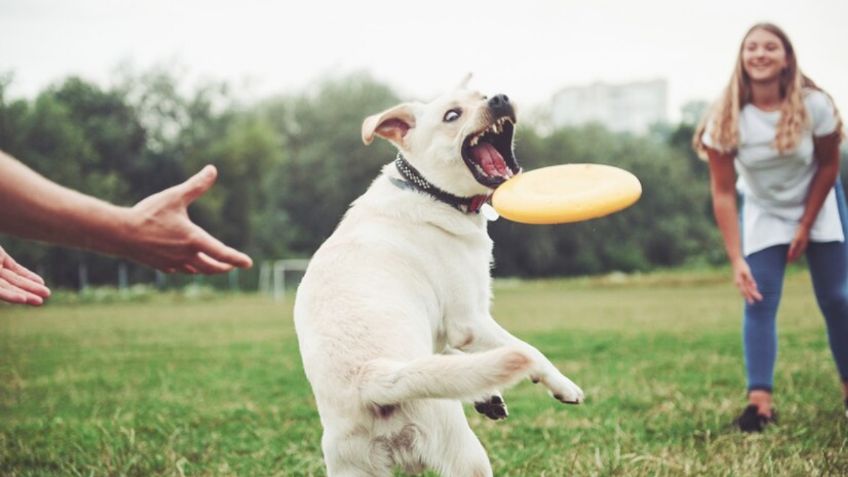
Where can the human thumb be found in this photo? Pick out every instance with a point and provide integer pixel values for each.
(199, 183)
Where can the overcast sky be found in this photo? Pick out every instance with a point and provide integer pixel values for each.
(527, 49)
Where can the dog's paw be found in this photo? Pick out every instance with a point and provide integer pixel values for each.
(494, 408)
(565, 391)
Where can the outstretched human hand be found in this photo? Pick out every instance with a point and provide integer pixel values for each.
(744, 280)
(161, 235)
(18, 284)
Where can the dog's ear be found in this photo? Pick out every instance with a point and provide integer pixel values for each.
(392, 124)
(465, 80)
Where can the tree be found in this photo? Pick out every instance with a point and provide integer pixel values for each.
(326, 165)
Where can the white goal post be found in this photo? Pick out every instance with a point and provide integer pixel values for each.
(272, 275)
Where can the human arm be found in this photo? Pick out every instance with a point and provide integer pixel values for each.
(826, 154)
(156, 232)
(723, 188)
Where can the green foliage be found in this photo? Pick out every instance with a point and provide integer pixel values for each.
(327, 165)
(215, 387)
(289, 166)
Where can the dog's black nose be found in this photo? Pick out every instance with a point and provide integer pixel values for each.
(500, 105)
(499, 101)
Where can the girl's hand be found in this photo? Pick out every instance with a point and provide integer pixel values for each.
(745, 282)
(799, 243)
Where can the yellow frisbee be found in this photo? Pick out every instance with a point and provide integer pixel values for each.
(566, 193)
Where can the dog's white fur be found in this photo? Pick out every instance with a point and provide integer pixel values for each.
(393, 318)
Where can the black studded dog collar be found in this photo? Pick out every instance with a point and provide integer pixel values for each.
(413, 179)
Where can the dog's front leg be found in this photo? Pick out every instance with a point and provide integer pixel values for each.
(487, 334)
(490, 405)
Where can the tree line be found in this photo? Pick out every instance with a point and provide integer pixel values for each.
(289, 166)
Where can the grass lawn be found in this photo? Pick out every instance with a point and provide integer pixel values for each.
(214, 387)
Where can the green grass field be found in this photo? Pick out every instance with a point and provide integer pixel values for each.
(214, 387)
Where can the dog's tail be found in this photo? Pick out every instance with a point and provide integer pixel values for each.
(456, 376)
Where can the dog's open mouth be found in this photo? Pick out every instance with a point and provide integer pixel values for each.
(488, 153)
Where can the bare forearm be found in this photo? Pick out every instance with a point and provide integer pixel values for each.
(820, 187)
(156, 231)
(723, 189)
(826, 154)
(727, 218)
(33, 207)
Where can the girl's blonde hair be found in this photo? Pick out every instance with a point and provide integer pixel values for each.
(724, 113)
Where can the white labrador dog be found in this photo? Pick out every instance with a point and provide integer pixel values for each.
(392, 315)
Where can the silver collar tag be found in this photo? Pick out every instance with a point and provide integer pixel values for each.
(489, 212)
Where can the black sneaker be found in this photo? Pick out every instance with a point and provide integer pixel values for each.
(751, 421)
(846, 407)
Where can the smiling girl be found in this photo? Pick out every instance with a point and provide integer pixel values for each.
(780, 133)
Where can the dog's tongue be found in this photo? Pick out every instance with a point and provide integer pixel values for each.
(490, 159)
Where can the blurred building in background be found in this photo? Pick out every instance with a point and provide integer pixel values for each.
(631, 107)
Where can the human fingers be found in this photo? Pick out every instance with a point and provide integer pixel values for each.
(12, 294)
(745, 283)
(216, 250)
(743, 290)
(187, 268)
(24, 283)
(198, 184)
(749, 289)
(207, 265)
(21, 270)
(792, 253)
(796, 249)
(753, 293)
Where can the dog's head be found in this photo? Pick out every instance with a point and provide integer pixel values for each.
(460, 142)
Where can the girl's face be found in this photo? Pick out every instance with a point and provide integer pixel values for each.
(763, 56)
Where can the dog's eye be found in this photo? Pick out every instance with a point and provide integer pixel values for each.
(452, 115)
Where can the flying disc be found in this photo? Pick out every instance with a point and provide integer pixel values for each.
(566, 193)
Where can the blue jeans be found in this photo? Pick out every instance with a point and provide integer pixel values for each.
(828, 263)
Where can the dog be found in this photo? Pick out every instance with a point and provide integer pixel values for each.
(392, 315)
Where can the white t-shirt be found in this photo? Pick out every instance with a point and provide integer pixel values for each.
(775, 186)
